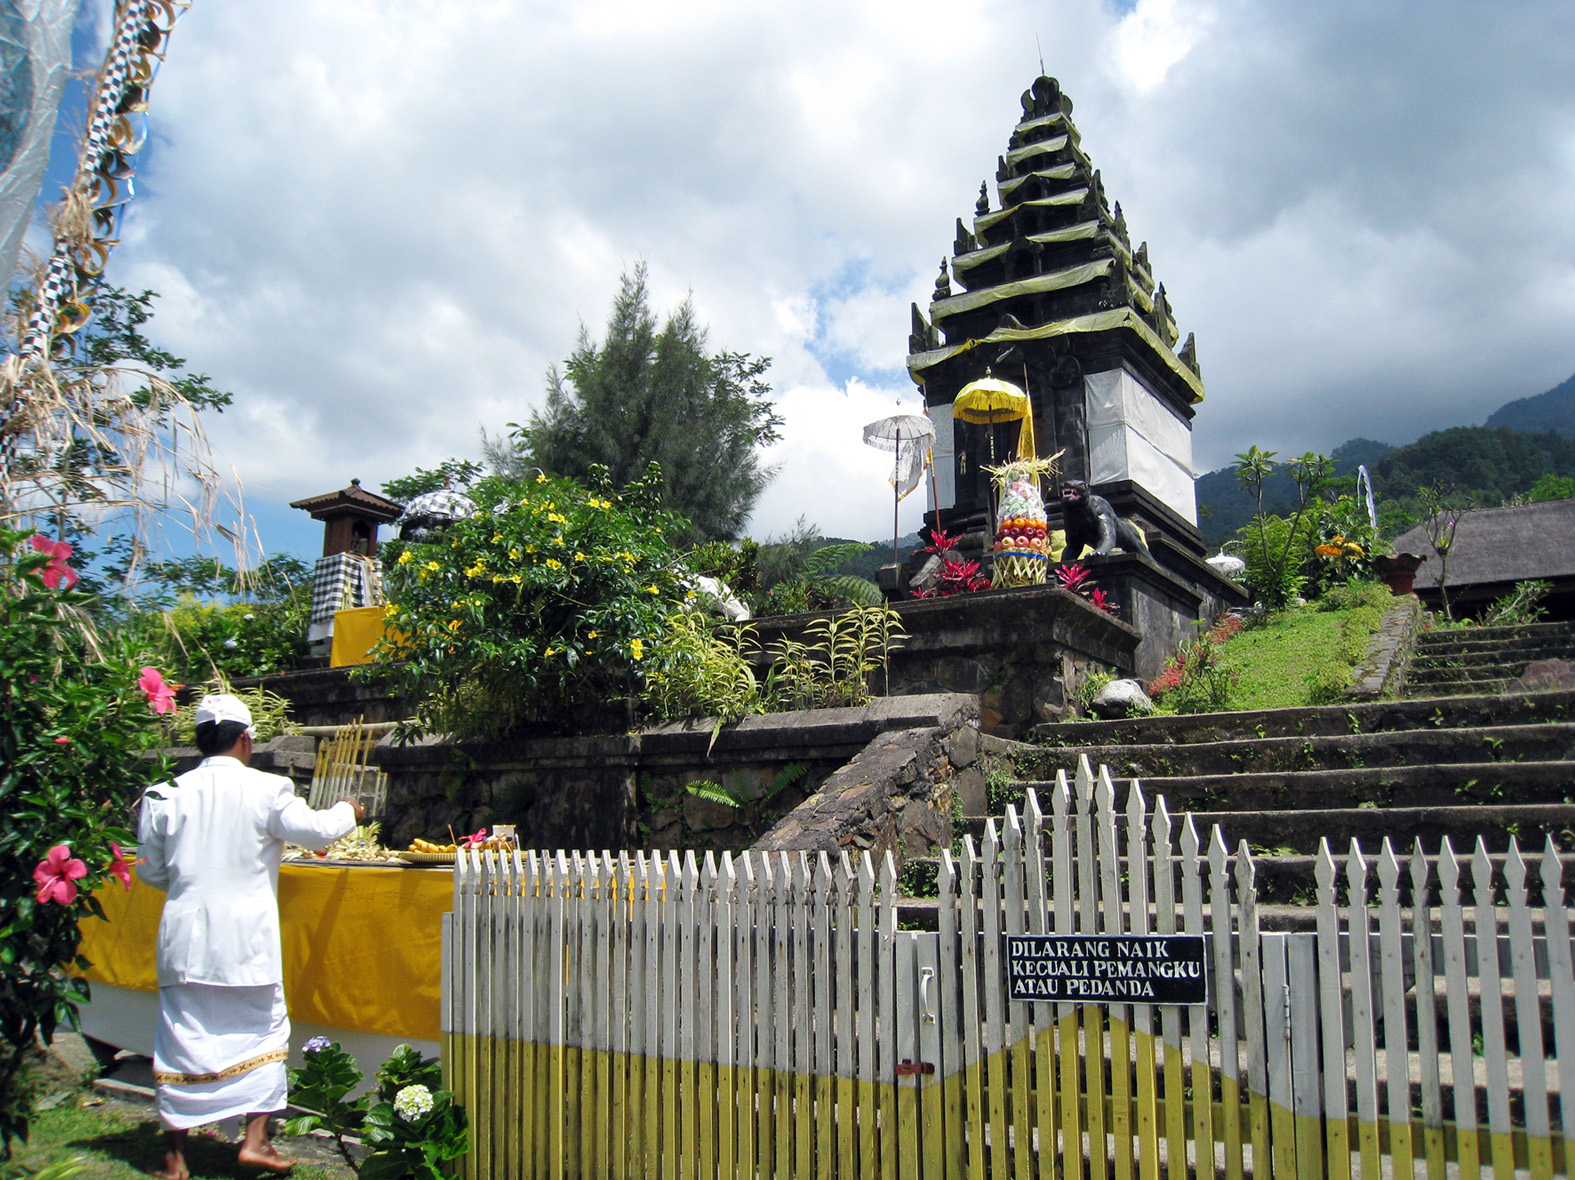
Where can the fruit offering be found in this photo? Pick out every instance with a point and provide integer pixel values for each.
(1021, 527)
(420, 845)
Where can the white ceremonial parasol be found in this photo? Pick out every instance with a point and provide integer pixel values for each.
(909, 438)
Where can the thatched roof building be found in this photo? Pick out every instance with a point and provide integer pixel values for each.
(1495, 548)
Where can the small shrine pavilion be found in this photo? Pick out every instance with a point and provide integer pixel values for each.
(350, 518)
(1045, 291)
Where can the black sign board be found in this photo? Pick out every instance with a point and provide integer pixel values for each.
(1106, 969)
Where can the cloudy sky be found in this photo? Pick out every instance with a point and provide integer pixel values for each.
(378, 221)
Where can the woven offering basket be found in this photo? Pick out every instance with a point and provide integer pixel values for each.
(428, 858)
(1020, 568)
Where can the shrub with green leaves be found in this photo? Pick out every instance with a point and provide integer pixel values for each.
(73, 723)
(409, 1122)
(541, 609)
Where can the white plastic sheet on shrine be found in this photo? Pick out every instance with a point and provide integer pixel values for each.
(1133, 434)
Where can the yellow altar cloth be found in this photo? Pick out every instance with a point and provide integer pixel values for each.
(362, 945)
(355, 632)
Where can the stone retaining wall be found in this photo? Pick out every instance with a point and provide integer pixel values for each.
(1023, 651)
(628, 791)
(1382, 672)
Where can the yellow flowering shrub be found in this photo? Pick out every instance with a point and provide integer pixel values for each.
(542, 610)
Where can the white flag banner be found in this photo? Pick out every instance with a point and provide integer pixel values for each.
(35, 61)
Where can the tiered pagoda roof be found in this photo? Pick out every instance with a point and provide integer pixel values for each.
(1052, 259)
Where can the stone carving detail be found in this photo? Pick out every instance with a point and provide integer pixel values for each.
(1091, 522)
(943, 285)
(982, 205)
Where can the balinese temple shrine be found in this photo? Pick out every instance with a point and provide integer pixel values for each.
(346, 581)
(1045, 292)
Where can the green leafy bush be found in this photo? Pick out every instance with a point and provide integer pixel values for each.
(1276, 550)
(541, 609)
(707, 671)
(196, 641)
(72, 724)
(409, 1122)
(1521, 605)
(702, 670)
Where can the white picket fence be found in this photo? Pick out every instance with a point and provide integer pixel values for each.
(763, 1016)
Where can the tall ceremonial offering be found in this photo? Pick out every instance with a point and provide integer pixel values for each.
(1022, 538)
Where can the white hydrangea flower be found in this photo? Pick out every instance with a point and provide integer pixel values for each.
(412, 1102)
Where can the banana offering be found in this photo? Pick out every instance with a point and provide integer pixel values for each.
(420, 845)
(489, 844)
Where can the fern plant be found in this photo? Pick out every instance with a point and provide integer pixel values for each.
(735, 797)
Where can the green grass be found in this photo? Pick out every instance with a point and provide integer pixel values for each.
(1300, 656)
(122, 1141)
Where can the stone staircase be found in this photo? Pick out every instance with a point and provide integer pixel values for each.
(1459, 757)
(1484, 660)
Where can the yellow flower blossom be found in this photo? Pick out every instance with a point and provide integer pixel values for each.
(579, 557)
(554, 564)
(592, 634)
(514, 554)
(433, 566)
(405, 558)
(497, 538)
(540, 478)
(637, 649)
(550, 652)
(651, 589)
(557, 518)
(455, 624)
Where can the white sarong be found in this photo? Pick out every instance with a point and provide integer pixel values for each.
(219, 1052)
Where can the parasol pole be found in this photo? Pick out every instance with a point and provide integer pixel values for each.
(896, 497)
(929, 459)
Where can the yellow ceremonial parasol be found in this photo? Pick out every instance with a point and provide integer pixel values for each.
(990, 401)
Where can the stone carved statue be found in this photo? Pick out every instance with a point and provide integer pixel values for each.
(1090, 521)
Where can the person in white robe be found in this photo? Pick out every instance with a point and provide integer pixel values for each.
(213, 841)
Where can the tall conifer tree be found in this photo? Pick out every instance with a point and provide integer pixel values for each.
(655, 394)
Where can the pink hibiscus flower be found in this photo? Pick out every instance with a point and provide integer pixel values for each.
(160, 694)
(57, 874)
(57, 570)
(120, 867)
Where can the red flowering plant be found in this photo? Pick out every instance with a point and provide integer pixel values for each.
(1079, 580)
(73, 728)
(1197, 679)
(955, 577)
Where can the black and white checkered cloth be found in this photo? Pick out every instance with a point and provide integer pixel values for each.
(100, 154)
(342, 581)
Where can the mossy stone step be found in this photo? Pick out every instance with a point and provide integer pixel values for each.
(1457, 688)
(1505, 654)
(1528, 632)
(1406, 747)
(1372, 787)
(1419, 678)
(1481, 709)
(1284, 876)
(1298, 832)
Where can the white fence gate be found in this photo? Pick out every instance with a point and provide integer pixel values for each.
(763, 1016)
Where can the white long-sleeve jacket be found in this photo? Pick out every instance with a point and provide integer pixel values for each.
(213, 841)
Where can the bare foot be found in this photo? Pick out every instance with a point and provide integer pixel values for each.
(174, 1166)
(265, 1158)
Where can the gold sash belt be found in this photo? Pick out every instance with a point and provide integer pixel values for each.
(197, 1079)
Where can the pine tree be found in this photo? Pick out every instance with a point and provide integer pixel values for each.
(649, 394)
